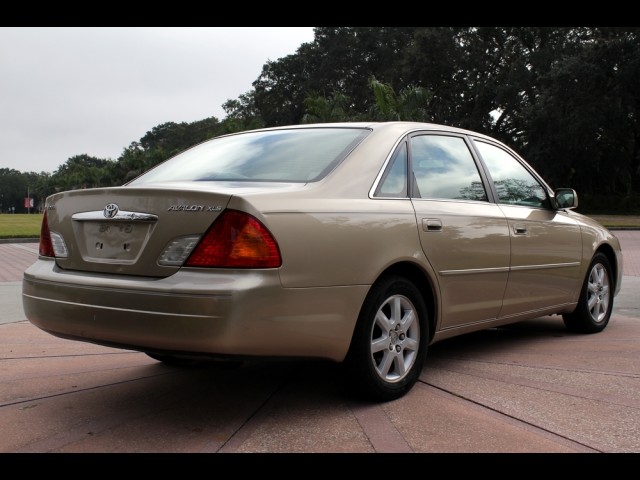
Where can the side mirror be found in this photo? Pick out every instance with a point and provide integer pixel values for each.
(566, 198)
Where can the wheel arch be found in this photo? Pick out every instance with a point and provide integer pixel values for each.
(608, 252)
(421, 279)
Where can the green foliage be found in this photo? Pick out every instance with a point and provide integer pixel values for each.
(609, 204)
(241, 114)
(14, 188)
(323, 110)
(339, 61)
(411, 104)
(83, 171)
(584, 130)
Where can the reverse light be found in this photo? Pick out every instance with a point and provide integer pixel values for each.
(236, 240)
(178, 250)
(59, 247)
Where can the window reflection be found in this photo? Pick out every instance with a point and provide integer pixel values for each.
(444, 168)
(394, 183)
(513, 182)
(296, 155)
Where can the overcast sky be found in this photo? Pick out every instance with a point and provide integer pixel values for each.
(67, 91)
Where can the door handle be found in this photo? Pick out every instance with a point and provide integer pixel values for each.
(431, 225)
(520, 229)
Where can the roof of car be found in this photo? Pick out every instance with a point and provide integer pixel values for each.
(408, 126)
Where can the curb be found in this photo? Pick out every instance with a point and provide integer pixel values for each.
(20, 240)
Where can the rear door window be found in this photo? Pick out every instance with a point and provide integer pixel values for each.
(444, 169)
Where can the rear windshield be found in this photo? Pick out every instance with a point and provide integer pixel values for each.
(295, 155)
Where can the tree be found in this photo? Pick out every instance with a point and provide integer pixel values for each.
(340, 60)
(13, 189)
(322, 110)
(162, 142)
(411, 104)
(584, 127)
(83, 171)
(242, 114)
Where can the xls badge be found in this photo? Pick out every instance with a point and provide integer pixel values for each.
(194, 208)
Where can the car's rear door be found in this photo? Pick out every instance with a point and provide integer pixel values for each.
(464, 236)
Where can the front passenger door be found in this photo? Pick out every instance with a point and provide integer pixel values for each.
(546, 244)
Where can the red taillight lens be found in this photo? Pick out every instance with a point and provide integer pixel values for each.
(46, 247)
(236, 240)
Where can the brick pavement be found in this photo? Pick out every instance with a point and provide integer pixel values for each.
(530, 388)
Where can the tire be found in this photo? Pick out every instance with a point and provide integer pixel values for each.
(389, 344)
(596, 299)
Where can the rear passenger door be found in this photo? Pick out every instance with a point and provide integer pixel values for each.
(464, 236)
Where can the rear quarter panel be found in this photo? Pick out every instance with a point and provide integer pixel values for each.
(340, 242)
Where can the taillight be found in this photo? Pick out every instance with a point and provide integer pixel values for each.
(236, 240)
(51, 243)
(46, 247)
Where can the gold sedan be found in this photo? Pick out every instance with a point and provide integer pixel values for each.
(358, 243)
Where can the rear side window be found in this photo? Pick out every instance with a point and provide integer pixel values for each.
(394, 181)
(444, 169)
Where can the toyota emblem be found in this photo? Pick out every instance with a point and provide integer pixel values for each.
(110, 211)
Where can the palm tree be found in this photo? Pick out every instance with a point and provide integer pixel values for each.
(411, 104)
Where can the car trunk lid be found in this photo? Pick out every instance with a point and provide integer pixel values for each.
(125, 230)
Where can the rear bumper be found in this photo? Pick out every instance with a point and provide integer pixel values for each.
(235, 312)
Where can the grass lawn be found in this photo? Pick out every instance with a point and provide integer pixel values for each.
(22, 225)
(612, 221)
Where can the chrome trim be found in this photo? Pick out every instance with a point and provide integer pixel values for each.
(550, 265)
(508, 269)
(98, 216)
(474, 270)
